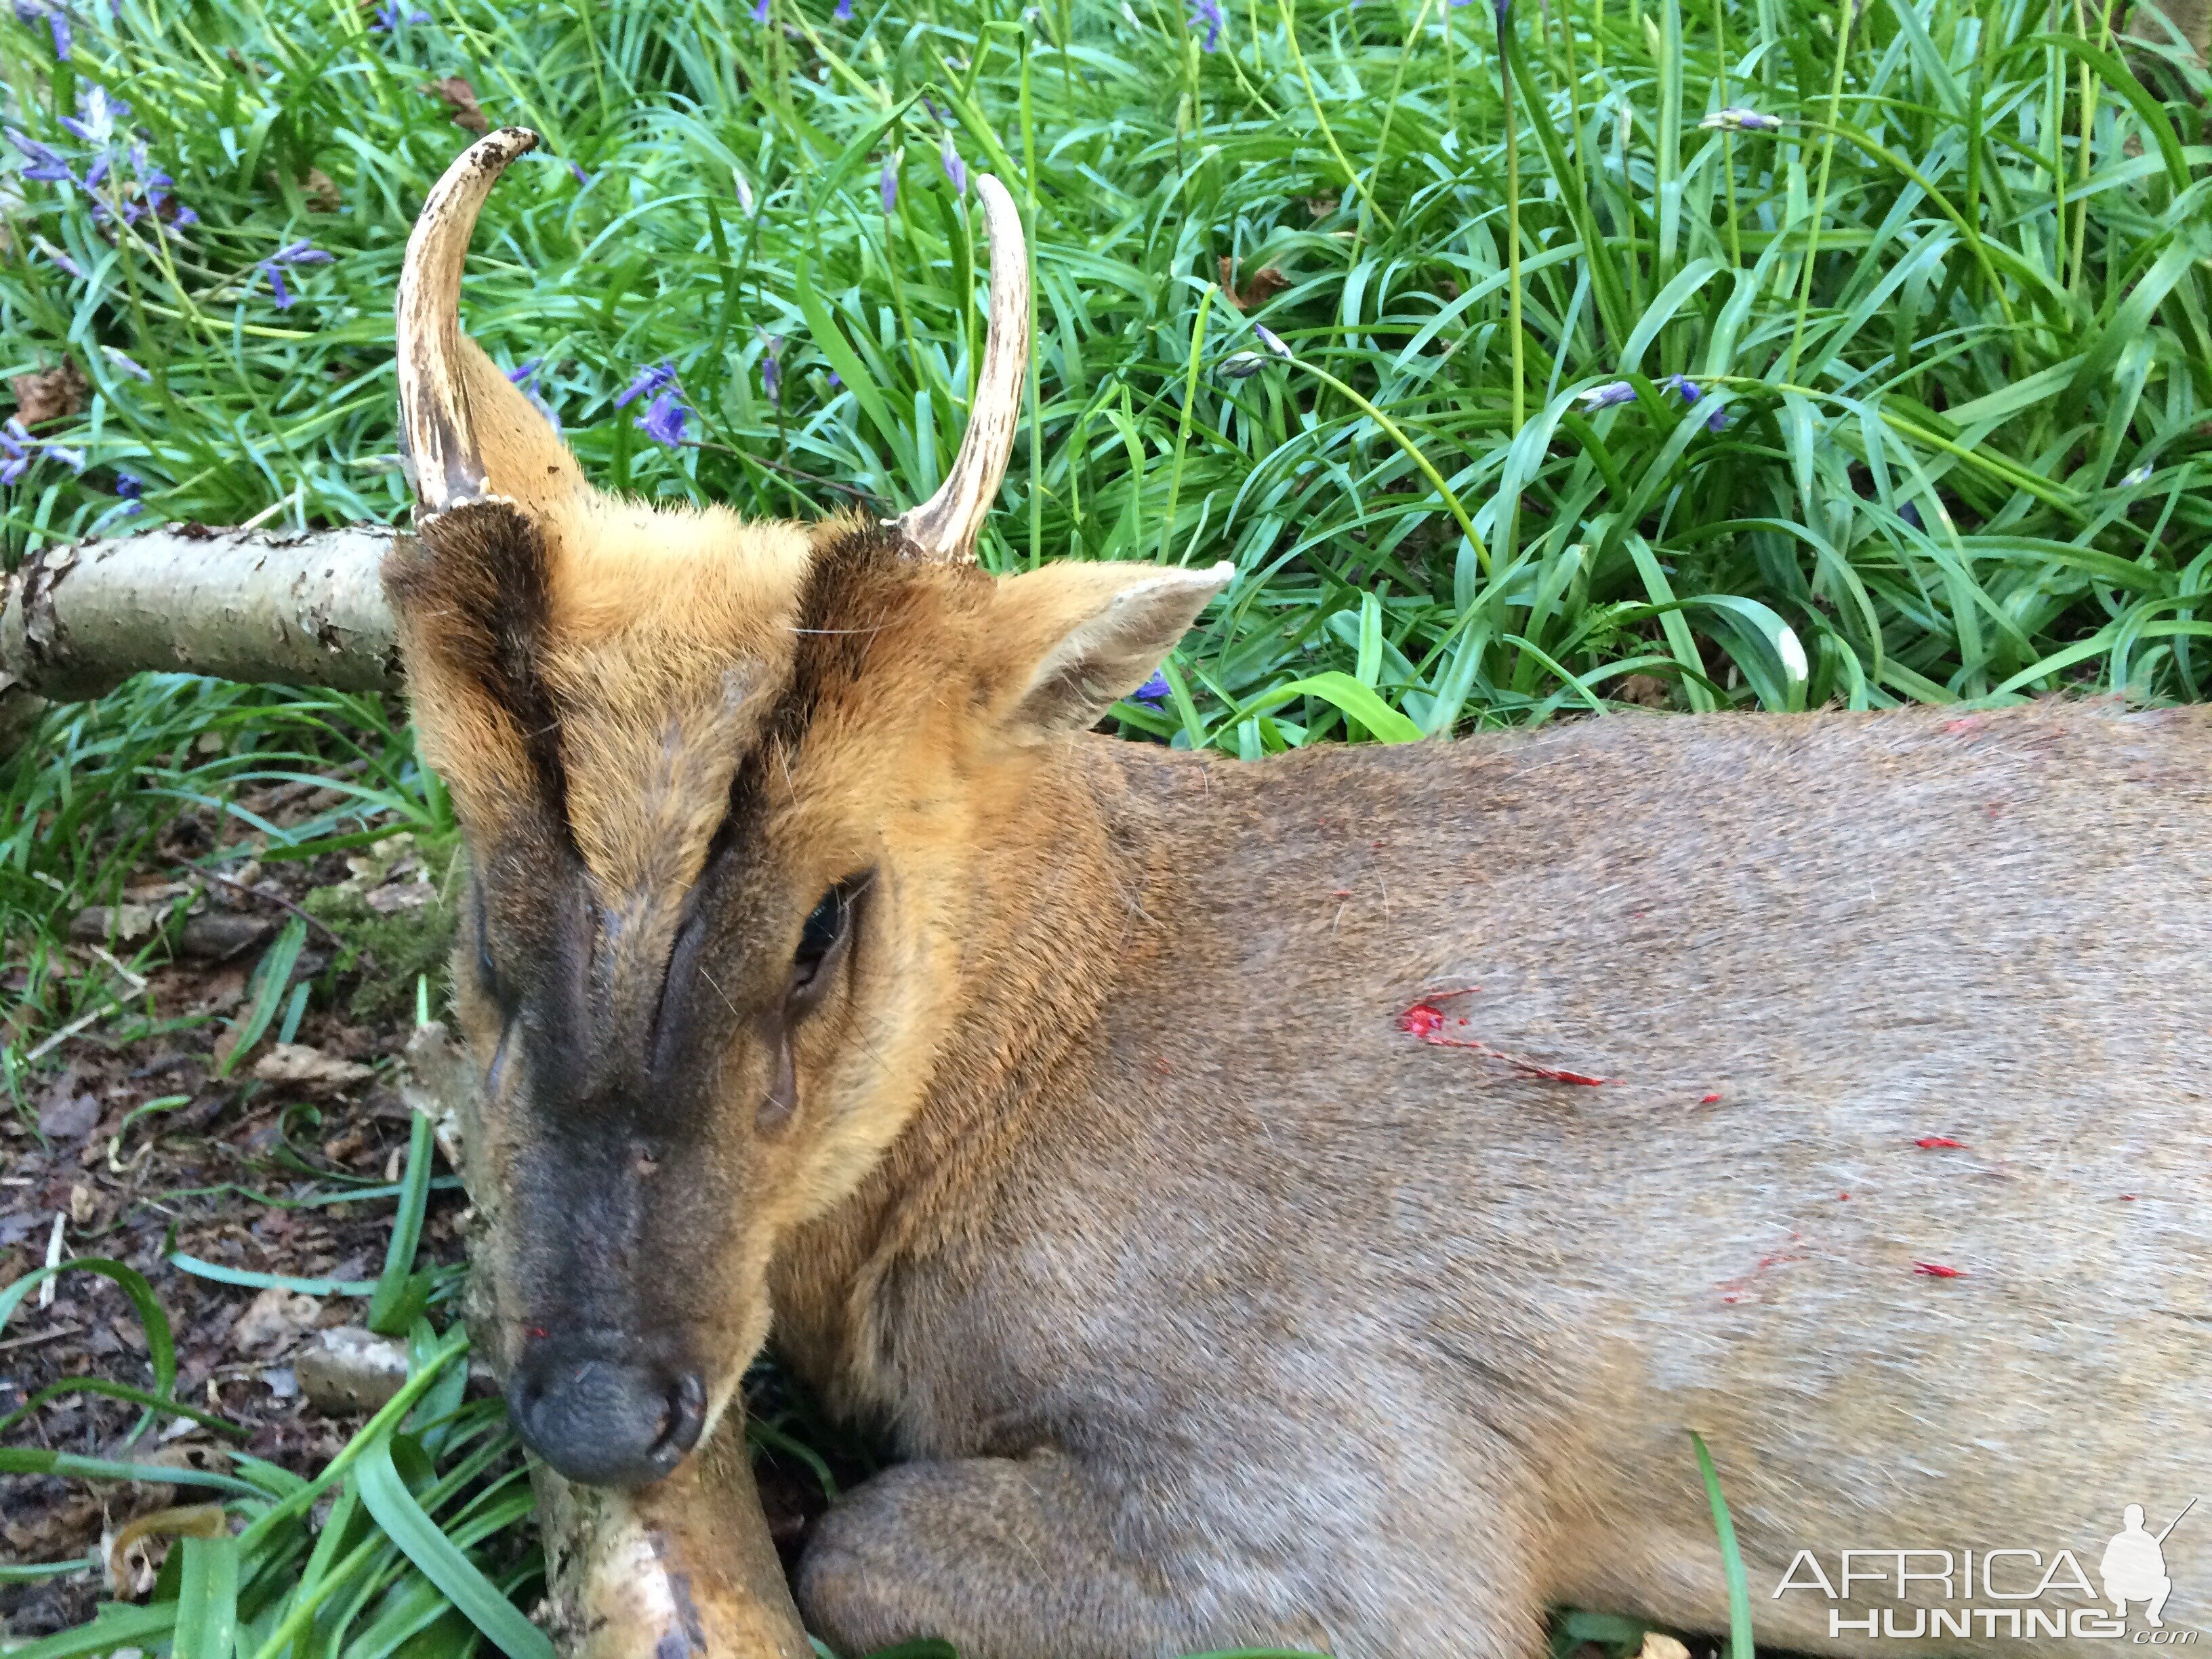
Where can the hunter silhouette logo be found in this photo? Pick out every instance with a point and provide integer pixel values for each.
(2134, 1567)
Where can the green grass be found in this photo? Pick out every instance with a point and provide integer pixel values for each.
(1953, 309)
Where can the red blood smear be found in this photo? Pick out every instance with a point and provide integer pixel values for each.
(1932, 1141)
(1843, 1198)
(1937, 1270)
(538, 1331)
(1425, 1021)
(1970, 723)
(2127, 1198)
(1710, 1098)
(1421, 1021)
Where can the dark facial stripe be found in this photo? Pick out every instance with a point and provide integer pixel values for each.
(475, 581)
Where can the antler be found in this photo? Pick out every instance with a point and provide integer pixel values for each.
(944, 526)
(466, 433)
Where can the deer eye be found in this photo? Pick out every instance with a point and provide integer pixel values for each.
(827, 924)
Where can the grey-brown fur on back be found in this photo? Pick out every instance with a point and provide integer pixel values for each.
(1356, 1339)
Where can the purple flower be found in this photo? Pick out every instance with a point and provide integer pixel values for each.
(292, 253)
(130, 486)
(97, 114)
(1505, 11)
(663, 419)
(955, 168)
(1736, 118)
(58, 258)
(1605, 396)
(650, 382)
(391, 18)
(15, 451)
(772, 367)
(1154, 691)
(844, 12)
(156, 184)
(1208, 12)
(1240, 365)
(1681, 386)
(583, 178)
(522, 377)
(1270, 339)
(46, 166)
(888, 184)
(123, 361)
(2140, 475)
(57, 21)
(760, 11)
(72, 459)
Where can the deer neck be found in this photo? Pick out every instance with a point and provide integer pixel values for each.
(1071, 898)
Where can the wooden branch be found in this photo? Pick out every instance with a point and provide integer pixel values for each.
(303, 607)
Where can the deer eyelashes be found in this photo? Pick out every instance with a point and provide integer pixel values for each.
(822, 944)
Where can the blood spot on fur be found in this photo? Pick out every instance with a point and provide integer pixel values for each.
(1930, 1143)
(1425, 1021)
(1937, 1270)
(1712, 1099)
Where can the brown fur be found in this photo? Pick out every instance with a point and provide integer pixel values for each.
(1211, 1305)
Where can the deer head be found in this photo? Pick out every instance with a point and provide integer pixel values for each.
(725, 788)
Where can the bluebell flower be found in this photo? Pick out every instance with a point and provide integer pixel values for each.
(760, 11)
(1273, 342)
(1910, 513)
(955, 168)
(2140, 475)
(1208, 12)
(130, 486)
(1504, 11)
(1611, 393)
(1240, 365)
(1154, 691)
(97, 115)
(292, 253)
(772, 367)
(156, 185)
(522, 377)
(844, 12)
(649, 383)
(74, 460)
(123, 361)
(663, 419)
(391, 17)
(1681, 386)
(888, 184)
(1736, 118)
(56, 19)
(46, 168)
(15, 451)
(56, 257)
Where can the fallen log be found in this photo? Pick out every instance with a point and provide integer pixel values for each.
(300, 608)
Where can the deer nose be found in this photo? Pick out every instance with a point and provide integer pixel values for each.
(605, 1421)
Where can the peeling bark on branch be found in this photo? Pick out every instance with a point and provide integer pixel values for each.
(301, 608)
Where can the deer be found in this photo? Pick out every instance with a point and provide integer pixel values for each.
(1311, 1202)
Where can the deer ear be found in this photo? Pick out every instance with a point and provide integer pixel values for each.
(1085, 635)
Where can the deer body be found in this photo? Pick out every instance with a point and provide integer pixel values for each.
(1311, 1202)
(1298, 1328)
